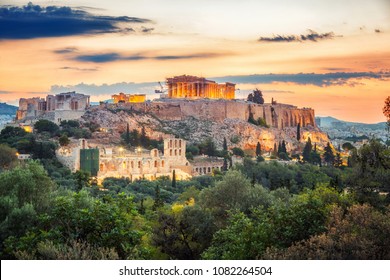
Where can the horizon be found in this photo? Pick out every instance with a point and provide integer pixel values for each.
(327, 55)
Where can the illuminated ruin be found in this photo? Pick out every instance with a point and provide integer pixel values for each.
(128, 98)
(193, 87)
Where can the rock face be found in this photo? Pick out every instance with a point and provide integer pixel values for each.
(197, 120)
(275, 115)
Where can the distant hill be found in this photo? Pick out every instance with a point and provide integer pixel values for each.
(6, 109)
(330, 122)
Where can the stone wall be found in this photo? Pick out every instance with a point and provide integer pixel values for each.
(276, 115)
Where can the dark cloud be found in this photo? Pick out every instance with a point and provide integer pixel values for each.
(66, 50)
(311, 36)
(110, 57)
(79, 69)
(146, 29)
(321, 80)
(5, 92)
(34, 21)
(378, 31)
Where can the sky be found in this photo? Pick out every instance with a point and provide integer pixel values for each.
(330, 55)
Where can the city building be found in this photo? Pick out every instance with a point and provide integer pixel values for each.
(128, 98)
(193, 87)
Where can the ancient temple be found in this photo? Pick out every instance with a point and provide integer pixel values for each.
(193, 87)
(128, 98)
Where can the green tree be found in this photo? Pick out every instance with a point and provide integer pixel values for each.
(127, 136)
(82, 179)
(158, 202)
(328, 154)
(238, 152)
(174, 179)
(25, 192)
(46, 125)
(307, 151)
(224, 146)
(64, 140)
(8, 157)
(347, 146)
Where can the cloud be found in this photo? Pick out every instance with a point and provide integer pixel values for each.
(311, 36)
(113, 56)
(321, 80)
(35, 21)
(66, 50)
(378, 31)
(79, 69)
(105, 89)
(146, 29)
(5, 92)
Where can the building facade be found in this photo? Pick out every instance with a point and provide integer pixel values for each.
(128, 98)
(138, 164)
(193, 87)
(63, 106)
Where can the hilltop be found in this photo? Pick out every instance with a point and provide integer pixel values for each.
(6, 109)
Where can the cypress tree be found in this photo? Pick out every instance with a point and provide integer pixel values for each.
(299, 132)
(328, 155)
(158, 202)
(127, 136)
(258, 149)
(225, 165)
(224, 144)
(307, 151)
(173, 179)
(284, 149)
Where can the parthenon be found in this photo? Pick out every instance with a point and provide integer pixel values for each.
(193, 87)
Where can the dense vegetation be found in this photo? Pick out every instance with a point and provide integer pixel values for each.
(312, 209)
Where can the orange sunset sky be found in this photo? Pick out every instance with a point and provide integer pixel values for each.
(333, 56)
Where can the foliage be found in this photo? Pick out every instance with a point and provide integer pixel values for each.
(258, 149)
(307, 151)
(247, 236)
(112, 224)
(328, 154)
(360, 233)
(8, 157)
(64, 140)
(46, 125)
(347, 146)
(235, 139)
(299, 132)
(370, 172)
(184, 233)
(25, 191)
(256, 97)
(238, 152)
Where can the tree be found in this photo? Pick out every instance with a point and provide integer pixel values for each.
(347, 146)
(224, 146)
(64, 140)
(386, 110)
(127, 135)
(144, 140)
(225, 165)
(299, 132)
(174, 179)
(158, 202)
(82, 179)
(25, 192)
(328, 154)
(307, 151)
(258, 149)
(207, 147)
(238, 152)
(338, 161)
(8, 157)
(46, 125)
(256, 97)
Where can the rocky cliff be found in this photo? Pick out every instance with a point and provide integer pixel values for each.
(275, 115)
(195, 121)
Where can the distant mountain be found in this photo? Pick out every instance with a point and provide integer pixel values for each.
(6, 109)
(330, 122)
